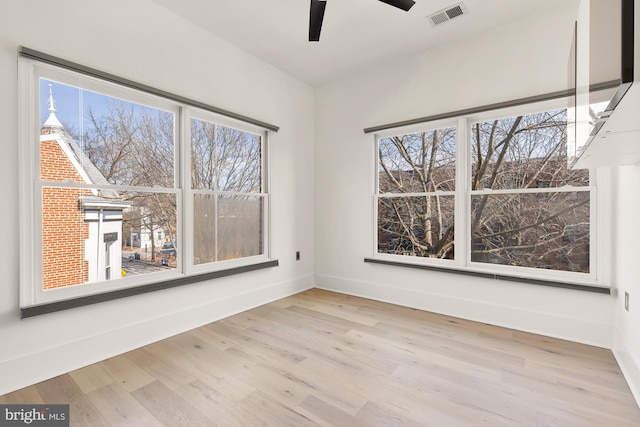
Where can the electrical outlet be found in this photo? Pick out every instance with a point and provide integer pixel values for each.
(297, 255)
(626, 301)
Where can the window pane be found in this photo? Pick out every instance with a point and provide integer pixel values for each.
(526, 151)
(418, 162)
(90, 235)
(204, 228)
(416, 226)
(545, 230)
(150, 227)
(104, 140)
(239, 227)
(227, 227)
(225, 159)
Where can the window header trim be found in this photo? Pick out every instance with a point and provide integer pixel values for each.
(497, 106)
(63, 63)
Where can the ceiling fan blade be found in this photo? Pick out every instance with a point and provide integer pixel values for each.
(400, 4)
(316, 14)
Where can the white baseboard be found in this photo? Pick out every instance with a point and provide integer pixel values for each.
(36, 367)
(537, 322)
(629, 363)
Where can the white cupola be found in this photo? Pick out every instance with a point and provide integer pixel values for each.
(52, 121)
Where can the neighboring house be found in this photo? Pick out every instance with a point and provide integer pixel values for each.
(144, 238)
(81, 228)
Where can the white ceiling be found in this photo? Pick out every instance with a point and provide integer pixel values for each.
(355, 34)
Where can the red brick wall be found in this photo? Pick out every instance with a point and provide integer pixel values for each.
(64, 230)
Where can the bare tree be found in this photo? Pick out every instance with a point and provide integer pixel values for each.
(134, 145)
(224, 158)
(545, 229)
(420, 225)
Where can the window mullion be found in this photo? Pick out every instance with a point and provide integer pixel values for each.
(187, 199)
(463, 187)
(376, 194)
(216, 215)
(265, 189)
(29, 160)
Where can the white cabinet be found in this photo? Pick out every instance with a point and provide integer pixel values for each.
(617, 142)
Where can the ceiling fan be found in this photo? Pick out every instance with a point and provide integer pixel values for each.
(316, 14)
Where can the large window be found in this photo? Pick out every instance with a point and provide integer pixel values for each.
(487, 193)
(131, 189)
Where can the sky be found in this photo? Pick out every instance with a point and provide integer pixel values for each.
(73, 103)
(70, 103)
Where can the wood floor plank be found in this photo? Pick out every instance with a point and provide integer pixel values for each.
(331, 385)
(340, 312)
(269, 351)
(425, 401)
(212, 337)
(120, 408)
(279, 384)
(169, 408)
(63, 390)
(126, 373)
(161, 365)
(303, 299)
(91, 377)
(218, 406)
(28, 394)
(271, 412)
(312, 340)
(320, 358)
(373, 415)
(326, 414)
(483, 398)
(207, 364)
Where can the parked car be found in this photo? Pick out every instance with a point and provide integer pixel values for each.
(168, 253)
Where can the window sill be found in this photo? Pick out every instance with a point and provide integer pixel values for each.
(52, 307)
(505, 277)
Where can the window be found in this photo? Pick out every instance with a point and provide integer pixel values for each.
(527, 208)
(107, 260)
(416, 186)
(226, 181)
(488, 193)
(132, 188)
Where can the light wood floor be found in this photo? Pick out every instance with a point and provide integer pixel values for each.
(321, 358)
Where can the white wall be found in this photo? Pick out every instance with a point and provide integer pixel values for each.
(143, 42)
(524, 58)
(626, 344)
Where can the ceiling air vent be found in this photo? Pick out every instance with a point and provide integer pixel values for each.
(447, 14)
